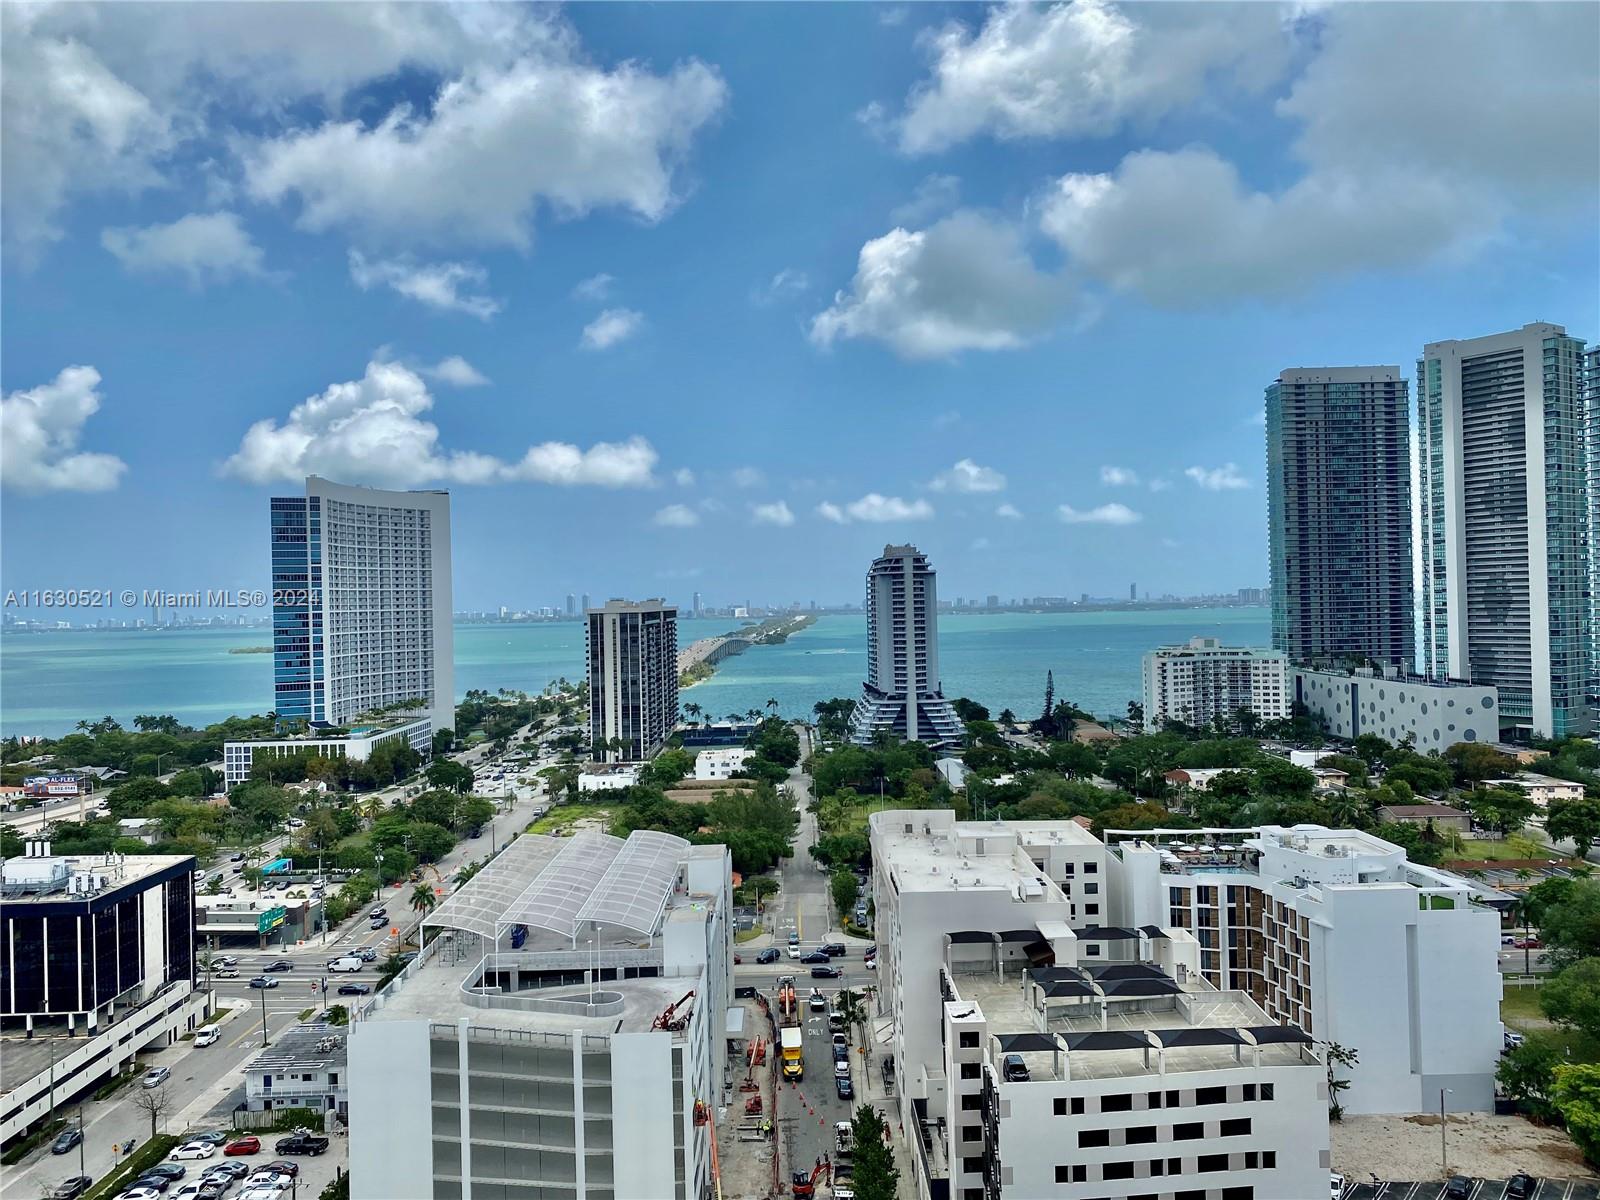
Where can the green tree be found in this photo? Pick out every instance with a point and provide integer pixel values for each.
(438, 806)
(1574, 820)
(1138, 816)
(1573, 997)
(1338, 1057)
(452, 776)
(423, 899)
(1473, 762)
(669, 767)
(845, 889)
(443, 739)
(1571, 926)
(875, 1177)
(132, 798)
(474, 813)
(1073, 759)
(1504, 810)
(1575, 1094)
(430, 842)
(1526, 1074)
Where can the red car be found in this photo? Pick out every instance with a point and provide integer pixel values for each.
(245, 1145)
(1528, 944)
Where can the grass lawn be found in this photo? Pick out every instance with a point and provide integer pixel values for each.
(746, 935)
(1491, 851)
(564, 816)
(1521, 1006)
(855, 820)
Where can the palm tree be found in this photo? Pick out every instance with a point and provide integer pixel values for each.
(772, 704)
(693, 711)
(207, 963)
(423, 899)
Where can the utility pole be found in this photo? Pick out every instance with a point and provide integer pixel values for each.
(263, 1017)
(82, 1170)
(1444, 1160)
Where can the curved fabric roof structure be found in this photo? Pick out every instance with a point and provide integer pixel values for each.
(476, 906)
(554, 899)
(636, 887)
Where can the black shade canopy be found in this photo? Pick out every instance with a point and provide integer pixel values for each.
(1019, 935)
(1272, 1035)
(1152, 931)
(1197, 1037)
(1106, 933)
(1067, 987)
(1109, 1040)
(1043, 975)
(1017, 1043)
(1140, 987)
(1125, 971)
(971, 935)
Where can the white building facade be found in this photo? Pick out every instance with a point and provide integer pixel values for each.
(1336, 933)
(633, 678)
(1504, 514)
(1203, 681)
(537, 1086)
(361, 616)
(720, 762)
(902, 695)
(239, 758)
(1434, 714)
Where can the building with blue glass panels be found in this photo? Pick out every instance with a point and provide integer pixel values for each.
(1339, 508)
(361, 603)
(1505, 516)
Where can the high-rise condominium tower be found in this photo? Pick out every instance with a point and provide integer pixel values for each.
(361, 603)
(633, 678)
(902, 693)
(1339, 514)
(1505, 522)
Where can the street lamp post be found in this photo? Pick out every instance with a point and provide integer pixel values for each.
(263, 1016)
(1444, 1159)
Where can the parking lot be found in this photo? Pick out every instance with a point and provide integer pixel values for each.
(1483, 1189)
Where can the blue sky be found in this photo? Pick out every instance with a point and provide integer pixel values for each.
(723, 298)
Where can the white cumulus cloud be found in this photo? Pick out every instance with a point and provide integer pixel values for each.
(595, 288)
(964, 283)
(748, 477)
(374, 430)
(202, 247)
(1225, 478)
(683, 477)
(446, 286)
(776, 513)
(785, 285)
(1105, 514)
(1085, 69)
(1118, 477)
(611, 327)
(457, 372)
(39, 432)
(876, 508)
(1009, 511)
(676, 516)
(968, 476)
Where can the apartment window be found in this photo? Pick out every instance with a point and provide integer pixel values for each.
(1239, 1192)
(1249, 1091)
(1252, 1160)
(972, 1103)
(1266, 1091)
(1235, 1127)
(1269, 1160)
(1091, 868)
(1075, 1174)
(1157, 1168)
(1094, 1138)
(1175, 896)
(971, 1070)
(1211, 1095)
(1172, 1099)
(969, 1039)
(1077, 1106)
(1175, 1167)
(1211, 1162)
(972, 1194)
(1153, 1100)
(972, 1133)
(1091, 889)
(1117, 1170)
(1091, 950)
(1058, 1106)
(973, 1164)
(1123, 1103)
(1140, 1135)
(1189, 1131)
(1091, 910)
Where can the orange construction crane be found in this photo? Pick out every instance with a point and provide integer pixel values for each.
(703, 1115)
(670, 1018)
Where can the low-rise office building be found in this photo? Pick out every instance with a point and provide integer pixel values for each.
(358, 743)
(1441, 817)
(564, 1025)
(611, 778)
(305, 1068)
(1336, 933)
(1541, 789)
(97, 961)
(720, 763)
(1203, 681)
(1434, 714)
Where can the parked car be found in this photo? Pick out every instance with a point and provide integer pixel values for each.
(301, 1143)
(66, 1140)
(233, 1170)
(1013, 1069)
(171, 1172)
(1521, 1186)
(845, 1089)
(140, 1191)
(283, 1167)
(67, 1189)
(841, 1070)
(155, 1184)
(826, 973)
(1514, 1039)
(207, 1036)
(1528, 943)
(249, 1144)
(156, 1076)
(1459, 1188)
(769, 955)
(841, 1053)
(269, 1179)
(263, 981)
(217, 1137)
(1335, 1185)
(194, 1150)
(354, 989)
(279, 964)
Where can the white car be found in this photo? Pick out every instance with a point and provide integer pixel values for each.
(140, 1193)
(194, 1150)
(207, 1036)
(269, 1179)
(257, 1193)
(794, 951)
(1335, 1185)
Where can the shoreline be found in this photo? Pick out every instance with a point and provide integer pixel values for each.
(697, 662)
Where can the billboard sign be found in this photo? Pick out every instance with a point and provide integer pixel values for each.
(54, 785)
(271, 919)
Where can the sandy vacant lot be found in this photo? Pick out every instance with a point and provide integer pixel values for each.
(1479, 1144)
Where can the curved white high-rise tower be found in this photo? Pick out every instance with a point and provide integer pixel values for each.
(902, 693)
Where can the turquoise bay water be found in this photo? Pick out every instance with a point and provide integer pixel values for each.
(49, 681)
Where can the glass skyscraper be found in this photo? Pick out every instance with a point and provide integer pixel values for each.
(902, 695)
(1505, 517)
(1339, 514)
(361, 615)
